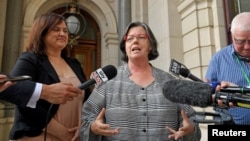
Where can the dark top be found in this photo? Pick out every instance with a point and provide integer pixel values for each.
(31, 121)
(19, 93)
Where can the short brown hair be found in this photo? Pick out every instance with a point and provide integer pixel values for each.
(153, 54)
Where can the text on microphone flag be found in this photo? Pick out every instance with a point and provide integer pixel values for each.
(95, 76)
(102, 75)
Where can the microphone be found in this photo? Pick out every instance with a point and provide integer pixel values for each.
(99, 76)
(174, 67)
(230, 89)
(186, 73)
(177, 69)
(188, 92)
(235, 89)
(200, 94)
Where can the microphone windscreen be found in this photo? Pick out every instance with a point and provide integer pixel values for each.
(110, 71)
(188, 92)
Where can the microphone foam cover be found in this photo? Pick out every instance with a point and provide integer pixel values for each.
(110, 71)
(188, 92)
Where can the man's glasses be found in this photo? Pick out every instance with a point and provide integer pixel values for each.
(241, 42)
(139, 37)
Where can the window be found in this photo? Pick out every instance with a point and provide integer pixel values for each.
(232, 8)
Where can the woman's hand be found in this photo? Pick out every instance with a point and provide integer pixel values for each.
(98, 127)
(186, 129)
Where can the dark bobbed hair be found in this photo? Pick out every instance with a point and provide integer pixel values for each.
(42, 25)
(153, 54)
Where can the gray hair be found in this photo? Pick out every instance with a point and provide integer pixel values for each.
(241, 22)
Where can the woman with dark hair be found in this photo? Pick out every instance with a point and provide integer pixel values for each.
(46, 61)
(131, 106)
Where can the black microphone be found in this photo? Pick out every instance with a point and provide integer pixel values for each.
(177, 69)
(174, 67)
(100, 76)
(200, 94)
(235, 89)
(186, 73)
(230, 89)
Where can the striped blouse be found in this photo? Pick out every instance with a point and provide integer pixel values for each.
(142, 114)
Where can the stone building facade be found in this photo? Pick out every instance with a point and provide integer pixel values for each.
(189, 31)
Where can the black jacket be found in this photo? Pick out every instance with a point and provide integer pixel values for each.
(19, 93)
(31, 121)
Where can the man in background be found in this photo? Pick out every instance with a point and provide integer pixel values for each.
(232, 63)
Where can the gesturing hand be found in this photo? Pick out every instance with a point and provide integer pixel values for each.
(186, 129)
(98, 127)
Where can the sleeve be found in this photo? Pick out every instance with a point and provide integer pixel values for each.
(196, 135)
(90, 111)
(35, 96)
(26, 64)
(19, 93)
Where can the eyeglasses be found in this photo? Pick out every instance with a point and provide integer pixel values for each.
(139, 37)
(241, 42)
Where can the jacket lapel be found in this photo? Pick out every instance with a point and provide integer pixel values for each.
(49, 68)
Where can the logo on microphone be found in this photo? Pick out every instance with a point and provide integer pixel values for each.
(175, 67)
(102, 75)
(95, 76)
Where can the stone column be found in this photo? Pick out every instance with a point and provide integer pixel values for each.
(197, 32)
(3, 9)
(124, 19)
(11, 49)
(14, 17)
